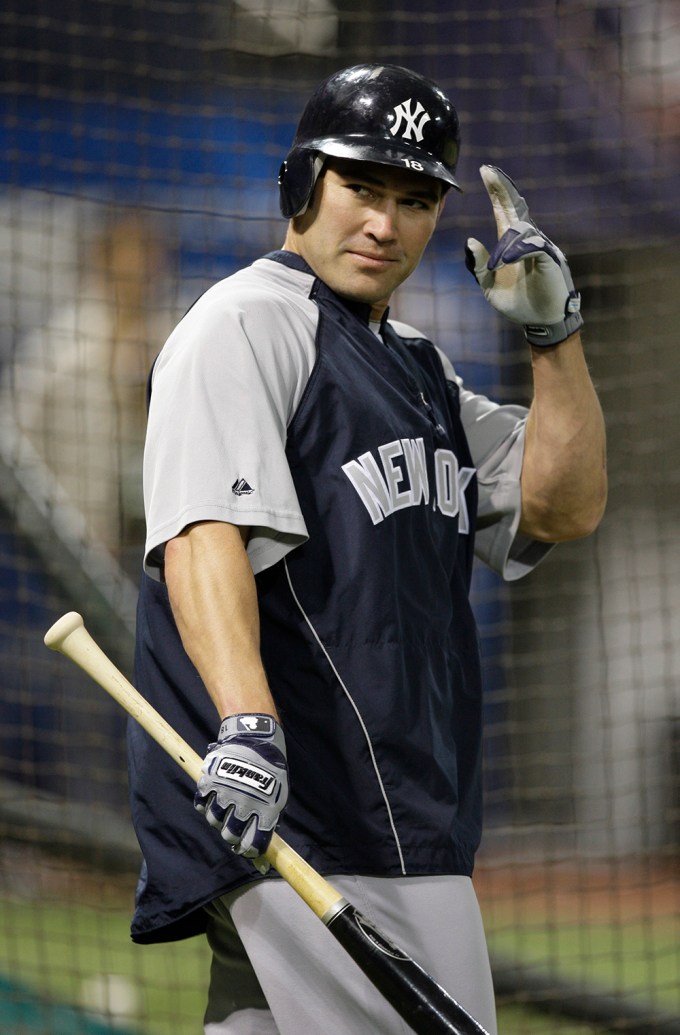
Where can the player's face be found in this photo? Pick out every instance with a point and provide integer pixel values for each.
(366, 228)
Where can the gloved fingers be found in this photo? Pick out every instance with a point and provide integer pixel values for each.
(215, 813)
(476, 260)
(208, 805)
(524, 241)
(255, 839)
(246, 837)
(207, 801)
(232, 828)
(507, 203)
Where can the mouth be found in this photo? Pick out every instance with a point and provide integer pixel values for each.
(373, 261)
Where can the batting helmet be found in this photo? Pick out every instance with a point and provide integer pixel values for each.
(371, 113)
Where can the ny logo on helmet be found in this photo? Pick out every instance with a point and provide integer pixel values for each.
(415, 120)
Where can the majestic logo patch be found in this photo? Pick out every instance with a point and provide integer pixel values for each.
(415, 120)
(234, 771)
(241, 487)
(398, 478)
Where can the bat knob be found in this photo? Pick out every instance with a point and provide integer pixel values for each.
(57, 634)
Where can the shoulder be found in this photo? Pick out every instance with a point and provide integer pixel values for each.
(263, 309)
(254, 330)
(266, 289)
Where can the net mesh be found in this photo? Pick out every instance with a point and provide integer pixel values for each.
(140, 145)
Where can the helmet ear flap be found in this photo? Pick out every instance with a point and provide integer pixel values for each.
(297, 176)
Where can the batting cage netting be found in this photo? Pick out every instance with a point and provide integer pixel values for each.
(139, 153)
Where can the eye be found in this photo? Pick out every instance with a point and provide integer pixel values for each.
(360, 189)
(419, 204)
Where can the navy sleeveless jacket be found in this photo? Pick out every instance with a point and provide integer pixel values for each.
(368, 640)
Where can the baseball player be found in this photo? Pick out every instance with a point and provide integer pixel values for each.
(317, 482)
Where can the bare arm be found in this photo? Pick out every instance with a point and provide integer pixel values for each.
(213, 598)
(564, 479)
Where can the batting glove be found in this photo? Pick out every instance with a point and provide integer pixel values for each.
(526, 276)
(243, 787)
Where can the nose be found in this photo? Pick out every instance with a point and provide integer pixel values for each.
(381, 223)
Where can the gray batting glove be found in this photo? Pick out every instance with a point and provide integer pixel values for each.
(526, 277)
(243, 787)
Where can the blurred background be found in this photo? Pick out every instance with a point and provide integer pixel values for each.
(139, 152)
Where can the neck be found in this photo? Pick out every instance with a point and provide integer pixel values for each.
(292, 244)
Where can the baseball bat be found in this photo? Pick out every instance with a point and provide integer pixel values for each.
(416, 996)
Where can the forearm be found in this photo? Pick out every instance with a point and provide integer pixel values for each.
(564, 481)
(214, 601)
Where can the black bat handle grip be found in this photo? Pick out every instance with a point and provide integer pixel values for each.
(416, 996)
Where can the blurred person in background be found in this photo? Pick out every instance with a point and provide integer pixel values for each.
(76, 385)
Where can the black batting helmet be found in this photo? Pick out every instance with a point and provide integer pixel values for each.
(372, 113)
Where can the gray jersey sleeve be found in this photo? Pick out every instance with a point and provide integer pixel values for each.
(224, 389)
(495, 435)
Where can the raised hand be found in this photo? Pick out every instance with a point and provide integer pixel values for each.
(525, 277)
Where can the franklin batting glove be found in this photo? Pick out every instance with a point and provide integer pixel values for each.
(526, 276)
(243, 787)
